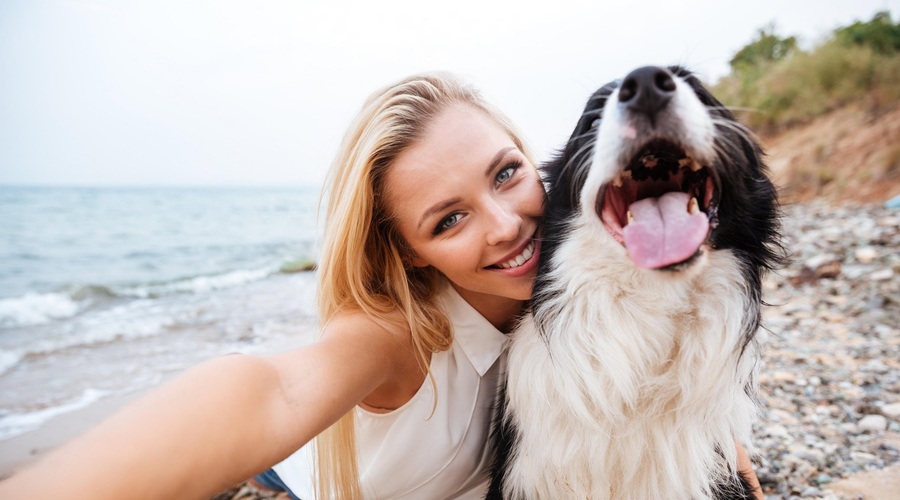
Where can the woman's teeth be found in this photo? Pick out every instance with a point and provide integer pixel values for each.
(519, 259)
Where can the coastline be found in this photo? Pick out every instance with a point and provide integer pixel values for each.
(19, 451)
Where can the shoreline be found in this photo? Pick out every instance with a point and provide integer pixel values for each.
(19, 451)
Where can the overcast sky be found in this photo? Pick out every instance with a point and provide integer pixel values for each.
(226, 92)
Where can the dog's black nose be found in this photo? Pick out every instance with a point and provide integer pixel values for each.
(647, 90)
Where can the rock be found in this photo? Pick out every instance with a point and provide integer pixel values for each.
(882, 275)
(811, 492)
(891, 410)
(777, 431)
(865, 255)
(862, 457)
(872, 423)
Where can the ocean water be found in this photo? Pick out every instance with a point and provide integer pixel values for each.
(104, 291)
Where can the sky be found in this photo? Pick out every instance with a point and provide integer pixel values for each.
(259, 93)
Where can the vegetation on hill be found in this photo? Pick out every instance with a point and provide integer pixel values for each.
(777, 85)
(830, 115)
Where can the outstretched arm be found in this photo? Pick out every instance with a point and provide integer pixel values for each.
(217, 424)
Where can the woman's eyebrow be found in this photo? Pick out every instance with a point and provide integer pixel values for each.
(437, 207)
(497, 159)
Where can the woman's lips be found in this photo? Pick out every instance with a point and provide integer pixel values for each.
(527, 255)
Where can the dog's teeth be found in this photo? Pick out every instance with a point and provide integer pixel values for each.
(617, 181)
(693, 207)
(689, 163)
(630, 217)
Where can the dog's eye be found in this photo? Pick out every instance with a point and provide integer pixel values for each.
(595, 123)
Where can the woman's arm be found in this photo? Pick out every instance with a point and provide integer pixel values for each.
(745, 468)
(220, 422)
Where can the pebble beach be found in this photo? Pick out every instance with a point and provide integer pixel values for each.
(830, 382)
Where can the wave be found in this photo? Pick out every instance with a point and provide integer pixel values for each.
(8, 359)
(127, 313)
(15, 424)
(197, 284)
(37, 308)
(34, 308)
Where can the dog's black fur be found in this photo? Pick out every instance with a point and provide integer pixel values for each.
(745, 220)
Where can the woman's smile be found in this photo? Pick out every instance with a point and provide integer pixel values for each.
(521, 261)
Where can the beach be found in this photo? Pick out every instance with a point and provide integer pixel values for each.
(107, 292)
(830, 381)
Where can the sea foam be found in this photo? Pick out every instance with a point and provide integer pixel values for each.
(36, 309)
(15, 424)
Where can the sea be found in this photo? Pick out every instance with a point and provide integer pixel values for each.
(108, 291)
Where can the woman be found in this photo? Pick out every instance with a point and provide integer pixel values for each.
(430, 252)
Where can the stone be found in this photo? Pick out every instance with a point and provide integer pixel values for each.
(882, 275)
(811, 492)
(891, 410)
(872, 423)
(865, 255)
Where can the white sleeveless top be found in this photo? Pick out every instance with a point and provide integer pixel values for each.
(413, 454)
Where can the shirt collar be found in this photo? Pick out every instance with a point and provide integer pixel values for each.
(481, 342)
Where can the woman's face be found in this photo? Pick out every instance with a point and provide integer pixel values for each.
(468, 202)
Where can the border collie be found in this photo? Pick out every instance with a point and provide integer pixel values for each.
(634, 375)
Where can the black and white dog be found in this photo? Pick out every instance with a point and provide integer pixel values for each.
(634, 375)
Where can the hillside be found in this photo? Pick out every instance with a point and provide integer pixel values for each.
(829, 116)
(851, 154)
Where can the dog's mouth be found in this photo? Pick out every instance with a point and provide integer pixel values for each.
(662, 206)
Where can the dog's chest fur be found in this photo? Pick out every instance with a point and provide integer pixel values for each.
(645, 393)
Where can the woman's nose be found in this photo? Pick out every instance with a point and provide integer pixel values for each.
(504, 224)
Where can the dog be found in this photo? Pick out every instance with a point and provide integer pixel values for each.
(633, 375)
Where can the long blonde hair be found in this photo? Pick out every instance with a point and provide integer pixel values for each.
(364, 264)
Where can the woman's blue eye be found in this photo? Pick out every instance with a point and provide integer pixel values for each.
(447, 223)
(507, 172)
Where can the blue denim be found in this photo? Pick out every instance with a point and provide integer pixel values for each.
(270, 480)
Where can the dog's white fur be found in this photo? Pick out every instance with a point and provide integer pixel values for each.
(641, 377)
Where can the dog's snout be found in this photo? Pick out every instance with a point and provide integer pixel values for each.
(647, 90)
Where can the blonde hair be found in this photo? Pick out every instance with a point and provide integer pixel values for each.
(364, 264)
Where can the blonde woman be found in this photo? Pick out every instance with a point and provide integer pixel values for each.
(430, 202)
(433, 209)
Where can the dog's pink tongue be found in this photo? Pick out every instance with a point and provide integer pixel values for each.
(663, 232)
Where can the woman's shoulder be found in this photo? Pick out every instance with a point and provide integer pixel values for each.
(388, 329)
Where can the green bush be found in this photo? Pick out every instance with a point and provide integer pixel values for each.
(881, 34)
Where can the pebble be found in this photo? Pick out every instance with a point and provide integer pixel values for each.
(811, 492)
(865, 255)
(872, 423)
(892, 410)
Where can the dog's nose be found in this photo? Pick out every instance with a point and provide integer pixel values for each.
(647, 90)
